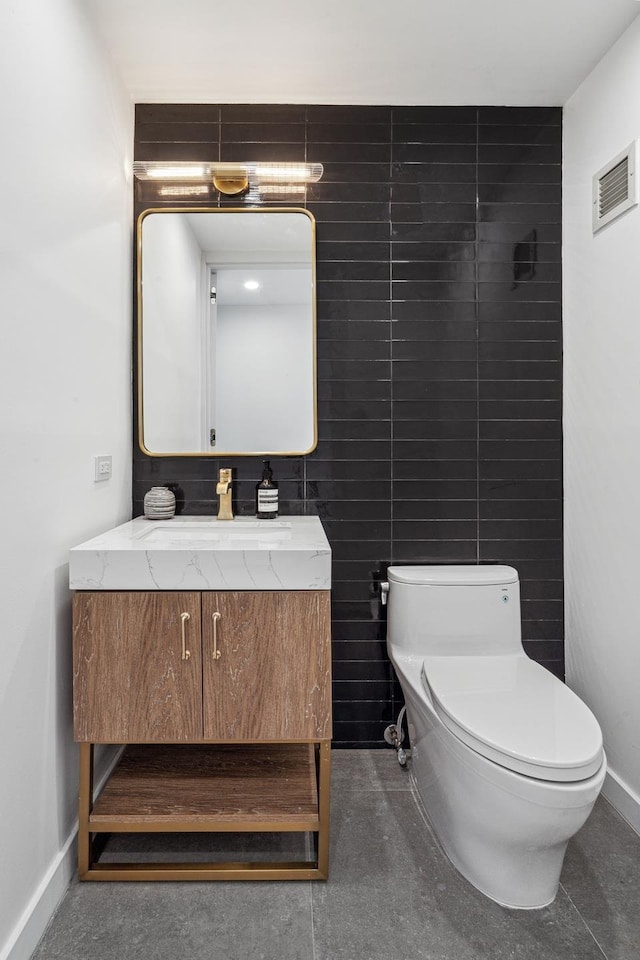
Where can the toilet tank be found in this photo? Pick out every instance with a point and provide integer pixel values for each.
(448, 610)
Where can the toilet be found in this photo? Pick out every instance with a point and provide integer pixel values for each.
(507, 760)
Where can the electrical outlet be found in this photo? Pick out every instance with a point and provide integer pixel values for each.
(102, 468)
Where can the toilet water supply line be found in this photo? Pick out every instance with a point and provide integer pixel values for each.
(393, 733)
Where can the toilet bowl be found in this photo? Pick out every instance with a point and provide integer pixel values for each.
(507, 760)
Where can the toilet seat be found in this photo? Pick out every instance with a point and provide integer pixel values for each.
(514, 712)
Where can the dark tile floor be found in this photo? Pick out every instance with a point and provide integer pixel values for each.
(392, 895)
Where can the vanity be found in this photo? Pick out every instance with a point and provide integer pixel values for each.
(203, 647)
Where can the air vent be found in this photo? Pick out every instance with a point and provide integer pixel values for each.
(615, 187)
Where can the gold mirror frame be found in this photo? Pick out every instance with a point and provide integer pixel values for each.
(139, 338)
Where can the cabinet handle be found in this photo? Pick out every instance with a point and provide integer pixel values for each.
(216, 653)
(186, 654)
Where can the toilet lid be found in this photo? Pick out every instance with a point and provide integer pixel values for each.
(512, 711)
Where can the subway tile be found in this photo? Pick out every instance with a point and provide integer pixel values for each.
(449, 232)
(520, 350)
(497, 252)
(428, 489)
(464, 153)
(352, 450)
(523, 487)
(416, 251)
(353, 231)
(516, 469)
(418, 350)
(241, 133)
(352, 290)
(352, 270)
(449, 270)
(430, 470)
(320, 151)
(344, 250)
(434, 410)
(434, 310)
(549, 116)
(194, 150)
(514, 271)
(432, 450)
(368, 311)
(361, 670)
(268, 152)
(345, 114)
(433, 212)
(263, 114)
(429, 530)
(434, 370)
(414, 331)
(368, 429)
(431, 429)
(519, 370)
(354, 410)
(518, 133)
(537, 213)
(434, 551)
(175, 113)
(505, 231)
(351, 690)
(435, 389)
(515, 311)
(326, 191)
(529, 529)
(446, 510)
(532, 430)
(337, 390)
(526, 330)
(520, 153)
(349, 132)
(318, 468)
(515, 550)
(433, 172)
(542, 193)
(355, 173)
(354, 369)
(353, 510)
(419, 193)
(354, 349)
(520, 510)
(161, 132)
(438, 133)
(351, 211)
(347, 490)
(428, 114)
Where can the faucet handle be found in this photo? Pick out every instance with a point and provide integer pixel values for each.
(225, 475)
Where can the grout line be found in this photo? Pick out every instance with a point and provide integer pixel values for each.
(477, 319)
(588, 928)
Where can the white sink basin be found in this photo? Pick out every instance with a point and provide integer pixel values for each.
(203, 553)
(182, 531)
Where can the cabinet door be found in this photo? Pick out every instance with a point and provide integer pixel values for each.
(272, 678)
(133, 680)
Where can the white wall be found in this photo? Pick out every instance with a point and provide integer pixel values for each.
(172, 276)
(65, 243)
(264, 357)
(602, 420)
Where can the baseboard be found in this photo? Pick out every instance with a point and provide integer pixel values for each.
(35, 917)
(621, 796)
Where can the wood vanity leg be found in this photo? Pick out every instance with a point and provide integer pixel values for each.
(85, 799)
(324, 796)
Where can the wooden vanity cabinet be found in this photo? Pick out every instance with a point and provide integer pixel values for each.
(248, 668)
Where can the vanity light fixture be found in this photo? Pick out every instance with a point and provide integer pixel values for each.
(273, 179)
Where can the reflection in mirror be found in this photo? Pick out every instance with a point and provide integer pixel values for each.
(226, 314)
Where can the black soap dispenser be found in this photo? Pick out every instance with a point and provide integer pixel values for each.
(267, 494)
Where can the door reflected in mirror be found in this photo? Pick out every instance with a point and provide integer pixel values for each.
(226, 332)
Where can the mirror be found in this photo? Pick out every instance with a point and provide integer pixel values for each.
(226, 332)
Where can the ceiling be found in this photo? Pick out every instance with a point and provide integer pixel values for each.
(513, 52)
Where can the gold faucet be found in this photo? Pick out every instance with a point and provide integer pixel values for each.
(223, 489)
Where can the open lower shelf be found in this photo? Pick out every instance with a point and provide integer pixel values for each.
(210, 787)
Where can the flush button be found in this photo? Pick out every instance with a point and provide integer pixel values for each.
(505, 599)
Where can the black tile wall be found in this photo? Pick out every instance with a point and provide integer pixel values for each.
(439, 356)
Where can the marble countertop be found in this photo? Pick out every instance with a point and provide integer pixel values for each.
(203, 553)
